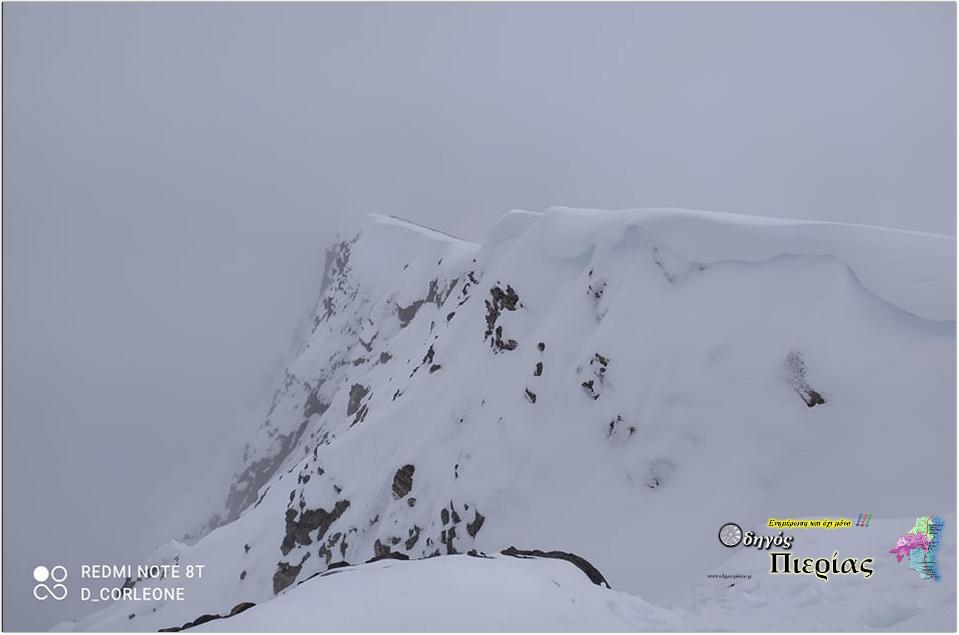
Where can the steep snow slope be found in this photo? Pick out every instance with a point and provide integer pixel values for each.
(615, 384)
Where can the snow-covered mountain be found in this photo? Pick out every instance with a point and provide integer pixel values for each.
(616, 385)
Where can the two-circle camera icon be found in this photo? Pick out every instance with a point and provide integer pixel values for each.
(57, 575)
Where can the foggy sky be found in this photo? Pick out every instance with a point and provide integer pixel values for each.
(173, 173)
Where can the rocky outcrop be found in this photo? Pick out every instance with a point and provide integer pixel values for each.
(403, 481)
(203, 619)
(579, 562)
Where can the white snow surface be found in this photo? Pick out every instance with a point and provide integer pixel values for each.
(679, 352)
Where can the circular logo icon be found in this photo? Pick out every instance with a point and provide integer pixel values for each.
(58, 574)
(730, 534)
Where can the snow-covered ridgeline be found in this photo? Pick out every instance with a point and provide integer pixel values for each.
(593, 382)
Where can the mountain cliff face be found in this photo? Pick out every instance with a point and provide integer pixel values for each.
(613, 384)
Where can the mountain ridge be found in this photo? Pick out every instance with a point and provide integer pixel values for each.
(581, 380)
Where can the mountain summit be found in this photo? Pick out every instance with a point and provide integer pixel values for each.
(613, 386)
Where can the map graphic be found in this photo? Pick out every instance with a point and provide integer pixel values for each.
(920, 546)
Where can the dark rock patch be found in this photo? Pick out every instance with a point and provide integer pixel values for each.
(588, 389)
(379, 550)
(285, 575)
(498, 343)
(473, 528)
(357, 393)
(477, 554)
(619, 430)
(579, 562)
(326, 550)
(403, 481)
(390, 555)
(406, 314)
(208, 617)
(414, 536)
(530, 396)
(446, 537)
(499, 301)
(438, 296)
(796, 372)
(239, 608)
(368, 345)
(300, 526)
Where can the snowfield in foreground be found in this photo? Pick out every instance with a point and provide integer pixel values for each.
(464, 593)
(613, 384)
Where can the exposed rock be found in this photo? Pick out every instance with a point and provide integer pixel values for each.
(390, 555)
(403, 481)
(796, 373)
(285, 575)
(406, 314)
(368, 345)
(379, 550)
(473, 528)
(500, 300)
(499, 343)
(414, 535)
(618, 431)
(299, 527)
(588, 388)
(581, 563)
(239, 608)
(208, 617)
(446, 537)
(357, 393)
